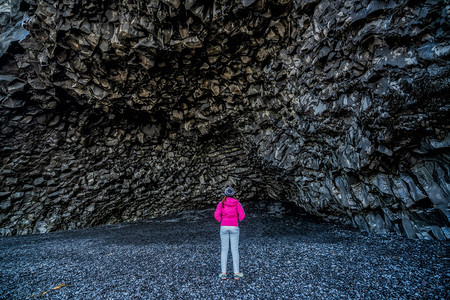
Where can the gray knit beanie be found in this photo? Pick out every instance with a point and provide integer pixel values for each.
(229, 192)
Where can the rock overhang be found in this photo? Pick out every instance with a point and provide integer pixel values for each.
(147, 108)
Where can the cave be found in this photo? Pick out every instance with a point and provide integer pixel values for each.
(124, 110)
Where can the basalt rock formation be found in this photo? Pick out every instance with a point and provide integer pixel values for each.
(121, 110)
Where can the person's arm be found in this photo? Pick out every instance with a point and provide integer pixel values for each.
(241, 212)
(218, 212)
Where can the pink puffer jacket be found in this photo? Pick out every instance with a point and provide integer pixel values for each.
(230, 213)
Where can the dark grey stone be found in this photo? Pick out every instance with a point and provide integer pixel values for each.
(115, 112)
(248, 2)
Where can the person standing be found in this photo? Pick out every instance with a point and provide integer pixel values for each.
(228, 212)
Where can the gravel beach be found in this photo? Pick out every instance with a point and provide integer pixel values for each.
(284, 255)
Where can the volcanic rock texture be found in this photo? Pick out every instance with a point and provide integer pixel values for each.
(114, 111)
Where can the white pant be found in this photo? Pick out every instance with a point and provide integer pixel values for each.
(229, 234)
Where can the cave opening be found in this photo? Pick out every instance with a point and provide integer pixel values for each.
(158, 106)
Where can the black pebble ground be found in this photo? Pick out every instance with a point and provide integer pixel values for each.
(283, 256)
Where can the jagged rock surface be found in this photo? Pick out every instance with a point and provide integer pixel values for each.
(121, 110)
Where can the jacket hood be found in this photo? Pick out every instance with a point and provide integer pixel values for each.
(231, 201)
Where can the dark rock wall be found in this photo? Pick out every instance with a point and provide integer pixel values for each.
(122, 110)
